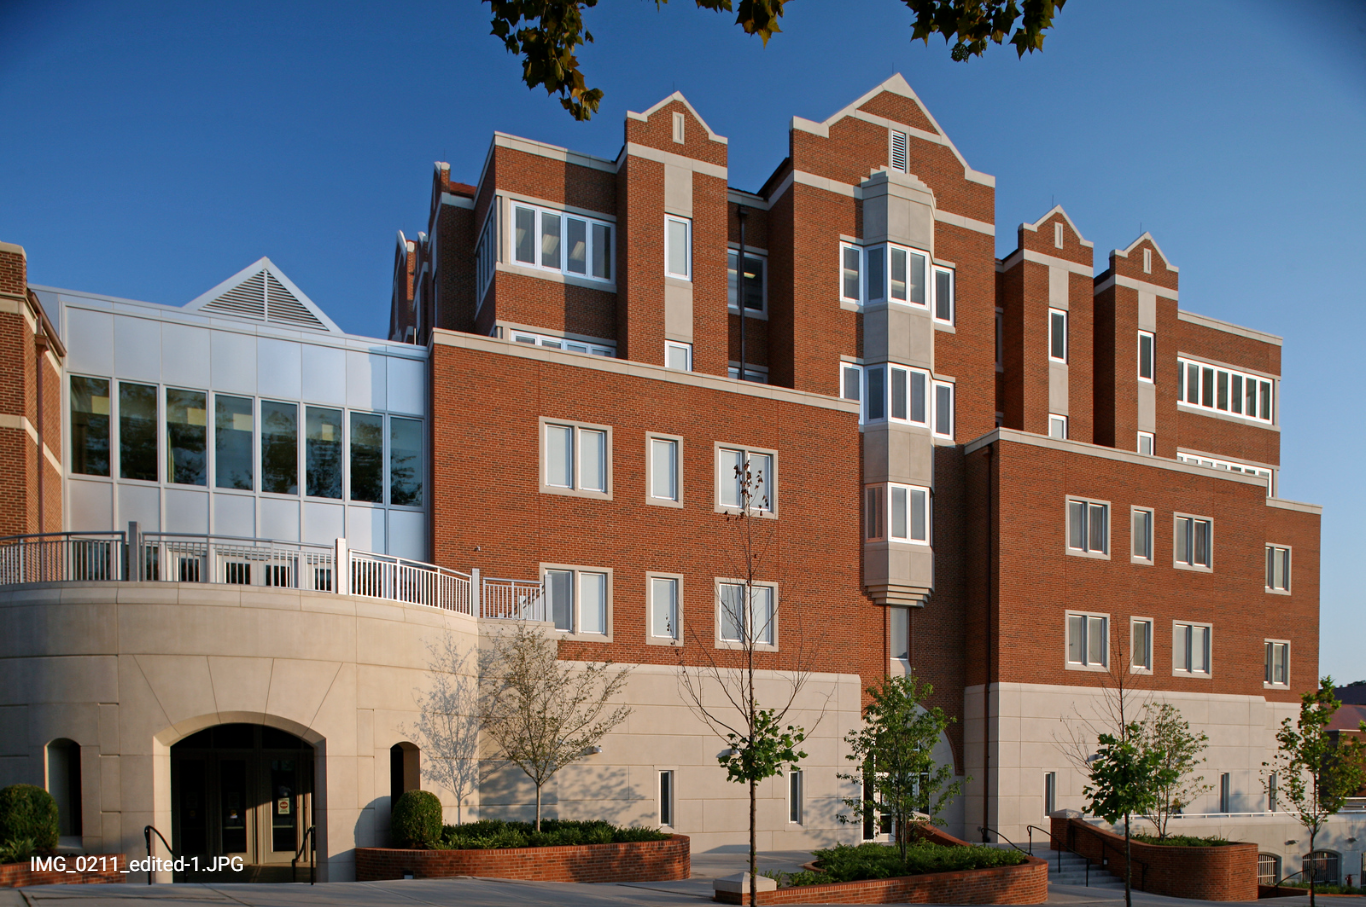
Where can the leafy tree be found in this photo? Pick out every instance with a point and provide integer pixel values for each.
(541, 713)
(1164, 731)
(1314, 772)
(894, 750)
(546, 34)
(1124, 778)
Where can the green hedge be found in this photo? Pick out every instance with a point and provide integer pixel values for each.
(1182, 841)
(493, 833)
(28, 813)
(416, 820)
(880, 861)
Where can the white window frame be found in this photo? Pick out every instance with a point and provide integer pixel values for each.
(1220, 374)
(899, 631)
(888, 374)
(935, 271)
(684, 348)
(795, 796)
(486, 254)
(1192, 521)
(879, 504)
(539, 212)
(650, 440)
(576, 433)
(1284, 551)
(578, 572)
(869, 295)
(1231, 466)
(604, 348)
(771, 645)
(1183, 649)
(1152, 441)
(852, 370)
(667, 807)
(1086, 664)
(1147, 666)
(936, 408)
(1152, 357)
(768, 490)
(1087, 508)
(759, 256)
(668, 264)
(651, 636)
(1269, 681)
(1057, 427)
(1134, 556)
(1054, 314)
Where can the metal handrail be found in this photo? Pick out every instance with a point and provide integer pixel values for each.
(1104, 843)
(147, 833)
(1062, 846)
(984, 830)
(310, 841)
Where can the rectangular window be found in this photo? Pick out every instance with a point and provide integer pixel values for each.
(576, 458)
(900, 633)
(578, 600)
(1145, 443)
(794, 796)
(1057, 335)
(233, 431)
(664, 608)
(875, 394)
(137, 431)
(1142, 531)
(873, 513)
(907, 509)
(1277, 568)
(755, 281)
(1194, 542)
(1050, 793)
(593, 603)
(758, 374)
(1087, 637)
(1271, 786)
(885, 272)
(1230, 466)
(486, 255)
(943, 409)
(1088, 527)
(559, 589)
(323, 452)
(89, 426)
(678, 356)
(367, 457)
(1057, 427)
(746, 622)
(1145, 356)
(406, 465)
(1277, 663)
(1191, 649)
(559, 241)
(279, 447)
(1225, 390)
(732, 464)
(664, 471)
(851, 382)
(678, 247)
(567, 344)
(943, 295)
(551, 250)
(187, 429)
(666, 799)
(1225, 793)
(1141, 644)
(851, 273)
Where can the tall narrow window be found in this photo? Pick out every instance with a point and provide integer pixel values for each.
(524, 235)
(559, 589)
(1050, 793)
(592, 602)
(754, 281)
(666, 798)
(89, 426)
(664, 469)
(367, 457)
(1057, 335)
(1141, 644)
(1277, 663)
(233, 430)
(406, 467)
(1057, 235)
(1225, 788)
(1142, 534)
(279, 447)
(664, 608)
(851, 273)
(943, 409)
(901, 633)
(1145, 356)
(1271, 785)
(323, 452)
(876, 260)
(875, 400)
(137, 431)
(550, 240)
(592, 460)
(187, 430)
(1277, 568)
(794, 795)
(943, 295)
(851, 381)
(678, 247)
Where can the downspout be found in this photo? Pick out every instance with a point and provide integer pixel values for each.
(740, 285)
(40, 346)
(986, 683)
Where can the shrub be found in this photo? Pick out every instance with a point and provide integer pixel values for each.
(488, 834)
(28, 812)
(416, 820)
(17, 850)
(1183, 841)
(878, 861)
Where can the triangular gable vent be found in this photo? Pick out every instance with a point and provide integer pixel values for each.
(261, 293)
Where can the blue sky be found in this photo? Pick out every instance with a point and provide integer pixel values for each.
(154, 149)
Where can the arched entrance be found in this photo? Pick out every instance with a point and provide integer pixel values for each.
(241, 790)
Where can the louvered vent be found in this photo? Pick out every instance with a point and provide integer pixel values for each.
(285, 308)
(899, 151)
(247, 299)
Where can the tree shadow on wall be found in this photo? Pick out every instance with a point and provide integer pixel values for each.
(447, 729)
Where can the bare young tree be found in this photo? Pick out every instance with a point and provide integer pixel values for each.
(541, 713)
(1121, 702)
(1166, 732)
(748, 611)
(447, 727)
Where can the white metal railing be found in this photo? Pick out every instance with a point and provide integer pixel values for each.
(183, 558)
(62, 557)
(510, 599)
(397, 579)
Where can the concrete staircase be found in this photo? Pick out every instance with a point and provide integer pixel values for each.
(1073, 871)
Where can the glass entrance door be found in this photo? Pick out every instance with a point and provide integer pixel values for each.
(234, 805)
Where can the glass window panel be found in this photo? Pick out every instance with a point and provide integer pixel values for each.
(918, 397)
(1097, 528)
(678, 357)
(1076, 639)
(1266, 400)
(367, 457)
(279, 447)
(761, 467)
(664, 607)
(850, 273)
(1145, 356)
(1271, 567)
(1207, 387)
(901, 633)
(524, 235)
(943, 294)
(1095, 640)
(592, 460)
(138, 431)
(1183, 539)
(919, 515)
(678, 248)
(877, 273)
(1250, 398)
(406, 469)
(664, 469)
(943, 409)
(1235, 397)
(853, 379)
(186, 437)
(729, 469)
(899, 275)
(1192, 384)
(1199, 650)
(1142, 644)
(592, 602)
(754, 281)
(576, 244)
(233, 426)
(90, 426)
(559, 586)
(1222, 378)
(1143, 521)
(1057, 347)
(877, 398)
(323, 452)
(900, 502)
(762, 607)
(899, 392)
(873, 512)
(1181, 647)
(602, 251)
(732, 611)
(918, 279)
(559, 456)
(1180, 381)
(1145, 443)
(550, 240)
(1076, 525)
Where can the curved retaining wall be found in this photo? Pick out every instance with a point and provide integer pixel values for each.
(635, 861)
(1227, 873)
(1023, 884)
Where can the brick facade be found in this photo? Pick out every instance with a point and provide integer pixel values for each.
(638, 861)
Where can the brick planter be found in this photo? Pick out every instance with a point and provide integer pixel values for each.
(21, 875)
(1227, 873)
(1023, 884)
(635, 861)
